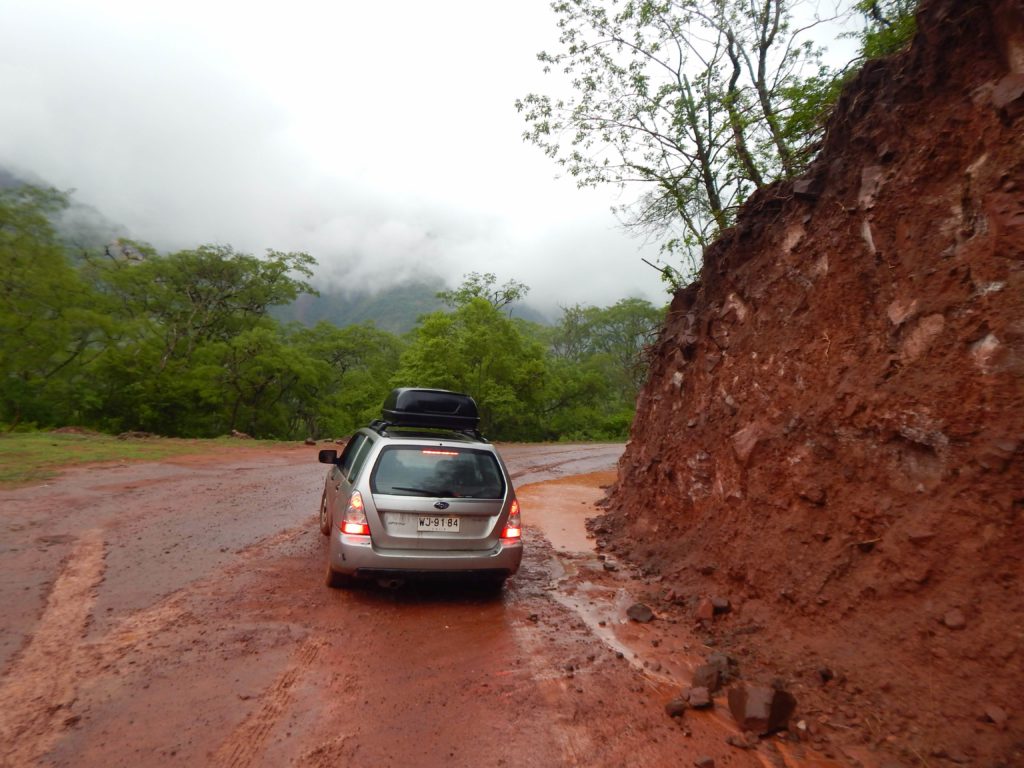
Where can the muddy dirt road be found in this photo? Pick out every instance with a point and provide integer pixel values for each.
(174, 613)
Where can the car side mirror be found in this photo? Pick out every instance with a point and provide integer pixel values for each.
(329, 456)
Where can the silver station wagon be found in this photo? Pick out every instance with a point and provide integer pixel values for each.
(420, 492)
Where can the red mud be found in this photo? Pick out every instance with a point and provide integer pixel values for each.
(174, 613)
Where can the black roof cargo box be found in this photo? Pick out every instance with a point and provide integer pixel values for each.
(411, 407)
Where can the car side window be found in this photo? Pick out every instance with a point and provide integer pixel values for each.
(360, 459)
(348, 456)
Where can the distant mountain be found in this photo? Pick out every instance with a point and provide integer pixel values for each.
(392, 309)
(9, 179)
(84, 228)
(81, 226)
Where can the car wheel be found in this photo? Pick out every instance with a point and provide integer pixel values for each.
(325, 523)
(493, 584)
(336, 580)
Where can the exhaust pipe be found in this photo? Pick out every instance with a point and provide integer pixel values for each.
(390, 583)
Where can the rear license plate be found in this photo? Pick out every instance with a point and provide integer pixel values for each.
(444, 523)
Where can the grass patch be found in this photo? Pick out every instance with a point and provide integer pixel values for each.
(32, 457)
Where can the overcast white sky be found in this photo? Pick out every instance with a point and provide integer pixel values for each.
(380, 137)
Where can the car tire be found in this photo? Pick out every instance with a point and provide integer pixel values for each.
(493, 584)
(325, 523)
(336, 580)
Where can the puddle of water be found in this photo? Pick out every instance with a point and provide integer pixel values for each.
(560, 508)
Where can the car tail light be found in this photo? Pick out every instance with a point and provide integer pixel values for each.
(513, 526)
(354, 520)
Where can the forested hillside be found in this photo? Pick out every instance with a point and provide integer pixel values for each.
(118, 337)
(395, 309)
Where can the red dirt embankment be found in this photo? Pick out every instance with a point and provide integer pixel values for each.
(832, 433)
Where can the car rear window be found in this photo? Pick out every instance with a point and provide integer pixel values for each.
(407, 470)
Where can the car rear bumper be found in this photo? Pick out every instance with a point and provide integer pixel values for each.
(352, 555)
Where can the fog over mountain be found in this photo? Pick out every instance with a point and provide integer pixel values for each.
(384, 144)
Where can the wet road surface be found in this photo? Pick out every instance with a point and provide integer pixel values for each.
(174, 613)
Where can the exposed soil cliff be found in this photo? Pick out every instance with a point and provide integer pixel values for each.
(832, 434)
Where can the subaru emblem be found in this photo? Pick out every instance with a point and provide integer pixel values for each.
(441, 505)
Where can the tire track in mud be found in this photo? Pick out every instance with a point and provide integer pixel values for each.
(140, 627)
(41, 684)
(245, 745)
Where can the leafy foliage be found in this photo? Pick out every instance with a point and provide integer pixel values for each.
(698, 103)
(53, 325)
(890, 25)
(484, 286)
(476, 349)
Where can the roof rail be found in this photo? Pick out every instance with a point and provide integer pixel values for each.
(381, 427)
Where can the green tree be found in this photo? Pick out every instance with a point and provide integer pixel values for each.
(355, 366)
(690, 100)
(477, 350)
(476, 285)
(207, 294)
(620, 333)
(623, 331)
(52, 325)
(889, 26)
(177, 313)
(252, 381)
(581, 402)
(596, 367)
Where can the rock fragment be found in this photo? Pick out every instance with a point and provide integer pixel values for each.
(727, 666)
(746, 741)
(704, 761)
(721, 605)
(761, 709)
(813, 494)
(920, 535)
(807, 188)
(720, 669)
(996, 715)
(705, 610)
(707, 676)
(699, 697)
(955, 619)
(676, 707)
(1008, 95)
(640, 613)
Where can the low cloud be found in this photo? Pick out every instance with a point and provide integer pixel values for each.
(389, 152)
